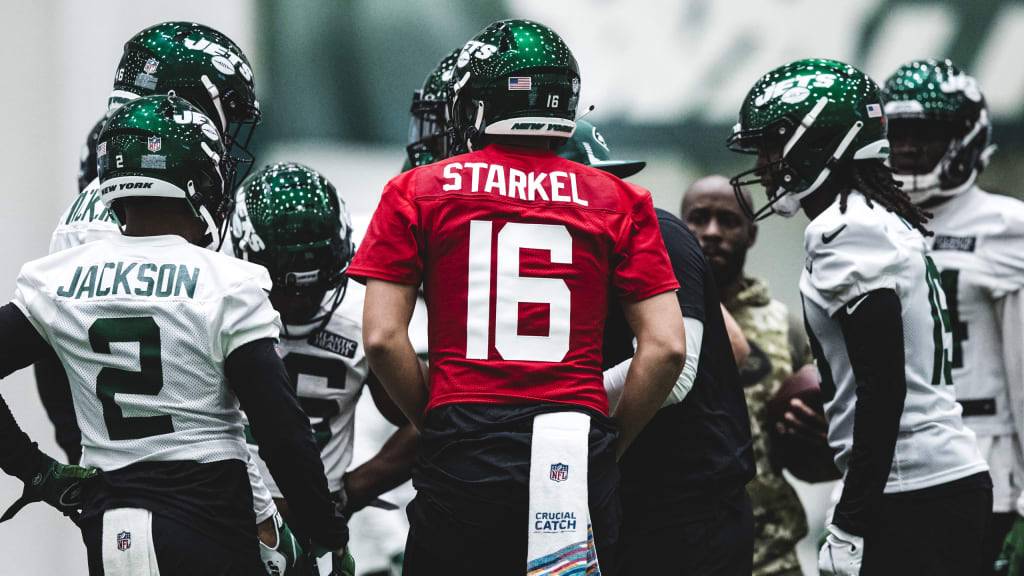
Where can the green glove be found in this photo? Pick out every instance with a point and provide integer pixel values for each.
(326, 563)
(1011, 559)
(286, 558)
(59, 485)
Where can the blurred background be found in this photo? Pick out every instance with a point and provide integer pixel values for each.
(335, 80)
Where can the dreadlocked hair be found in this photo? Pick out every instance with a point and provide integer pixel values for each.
(874, 180)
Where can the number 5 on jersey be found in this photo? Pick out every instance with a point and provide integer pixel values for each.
(510, 289)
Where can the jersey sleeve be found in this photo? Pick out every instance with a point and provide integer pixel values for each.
(246, 314)
(642, 266)
(687, 261)
(390, 249)
(848, 259)
(1004, 251)
(32, 300)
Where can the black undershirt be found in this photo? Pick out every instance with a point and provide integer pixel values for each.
(702, 443)
(874, 343)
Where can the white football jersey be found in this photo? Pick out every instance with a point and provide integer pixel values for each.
(142, 326)
(329, 368)
(978, 248)
(85, 220)
(849, 255)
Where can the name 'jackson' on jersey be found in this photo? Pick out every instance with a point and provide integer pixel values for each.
(144, 350)
(517, 276)
(851, 254)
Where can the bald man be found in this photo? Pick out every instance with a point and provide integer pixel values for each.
(725, 235)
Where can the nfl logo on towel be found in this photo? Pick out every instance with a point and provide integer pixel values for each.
(124, 540)
(559, 472)
(153, 143)
(519, 83)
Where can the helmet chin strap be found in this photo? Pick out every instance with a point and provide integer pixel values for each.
(788, 204)
(214, 93)
(213, 236)
(477, 123)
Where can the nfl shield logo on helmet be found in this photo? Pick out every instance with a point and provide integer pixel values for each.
(150, 66)
(153, 143)
(124, 540)
(559, 472)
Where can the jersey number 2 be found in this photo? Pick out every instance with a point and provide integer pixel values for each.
(148, 380)
(511, 289)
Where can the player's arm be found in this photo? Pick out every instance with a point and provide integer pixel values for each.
(392, 464)
(282, 431)
(1010, 313)
(615, 377)
(660, 355)
(55, 394)
(740, 346)
(874, 343)
(389, 468)
(387, 310)
(61, 486)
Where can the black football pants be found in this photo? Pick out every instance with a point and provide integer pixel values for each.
(937, 531)
(719, 541)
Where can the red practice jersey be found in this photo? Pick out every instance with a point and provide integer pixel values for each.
(519, 251)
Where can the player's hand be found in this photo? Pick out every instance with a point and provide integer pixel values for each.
(326, 562)
(285, 557)
(803, 421)
(1011, 559)
(62, 486)
(841, 554)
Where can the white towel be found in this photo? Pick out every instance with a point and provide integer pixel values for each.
(560, 536)
(128, 543)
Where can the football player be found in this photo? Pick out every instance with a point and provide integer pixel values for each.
(507, 358)
(940, 133)
(877, 322)
(162, 340)
(209, 70)
(685, 507)
(290, 219)
(427, 139)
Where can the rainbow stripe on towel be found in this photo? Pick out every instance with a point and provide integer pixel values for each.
(579, 559)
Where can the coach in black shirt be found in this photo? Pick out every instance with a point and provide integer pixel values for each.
(685, 505)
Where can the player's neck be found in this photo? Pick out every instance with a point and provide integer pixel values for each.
(534, 142)
(162, 216)
(727, 291)
(819, 200)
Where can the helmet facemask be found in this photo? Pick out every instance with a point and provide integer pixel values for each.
(428, 142)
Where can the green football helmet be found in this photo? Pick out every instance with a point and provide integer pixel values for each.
(290, 219)
(808, 118)
(162, 146)
(427, 141)
(516, 77)
(588, 147)
(87, 161)
(202, 66)
(930, 99)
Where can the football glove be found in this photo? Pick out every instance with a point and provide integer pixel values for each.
(1011, 559)
(286, 558)
(59, 485)
(324, 562)
(841, 554)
